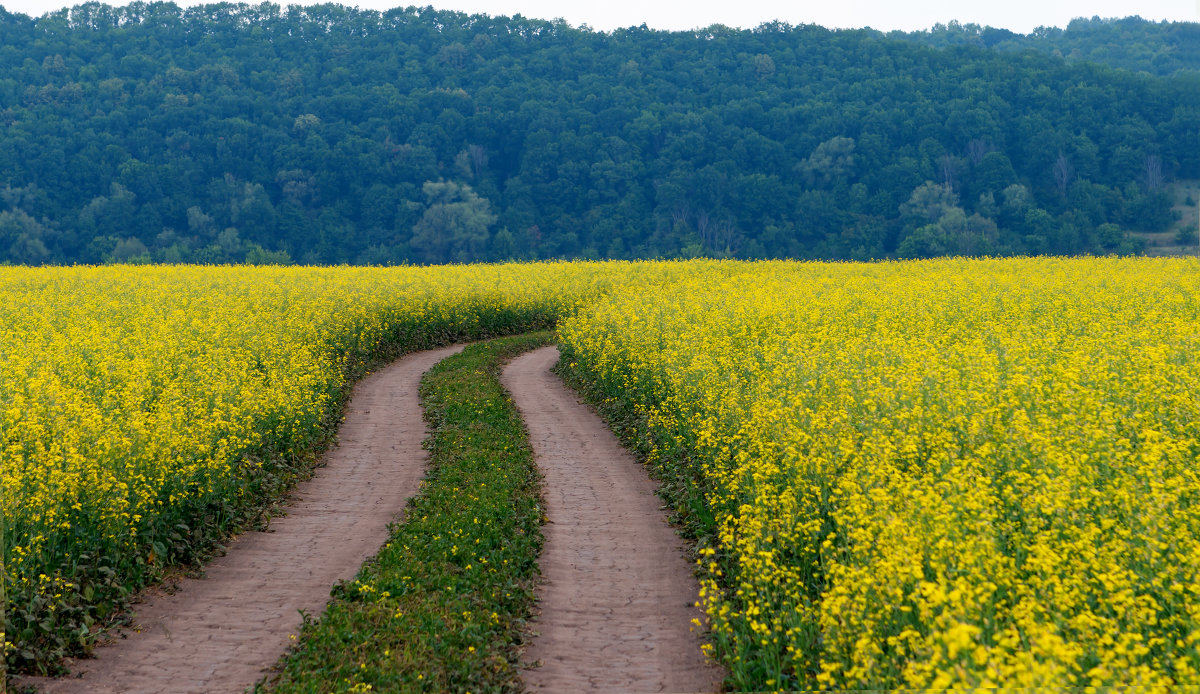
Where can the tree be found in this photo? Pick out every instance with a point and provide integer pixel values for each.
(504, 245)
(993, 173)
(1039, 227)
(130, 250)
(1017, 202)
(314, 130)
(1064, 172)
(454, 226)
(929, 202)
(1153, 176)
(21, 236)
(928, 241)
(831, 161)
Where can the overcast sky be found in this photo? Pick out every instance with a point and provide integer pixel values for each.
(1017, 15)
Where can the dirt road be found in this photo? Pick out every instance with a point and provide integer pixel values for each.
(617, 593)
(221, 633)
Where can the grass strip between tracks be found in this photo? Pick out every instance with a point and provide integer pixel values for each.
(442, 607)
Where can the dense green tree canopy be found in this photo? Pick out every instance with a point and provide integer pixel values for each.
(1160, 48)
(324, 134)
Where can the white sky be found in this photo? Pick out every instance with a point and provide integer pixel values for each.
(1018, 15)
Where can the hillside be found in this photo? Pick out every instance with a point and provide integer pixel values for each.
(231, 133)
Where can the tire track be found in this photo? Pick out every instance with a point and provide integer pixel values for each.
(617, 595)
(223, 632)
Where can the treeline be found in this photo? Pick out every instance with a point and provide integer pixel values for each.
(324, 134)
(1130, 43)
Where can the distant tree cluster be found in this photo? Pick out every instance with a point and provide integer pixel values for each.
(1131, 43)
(324, 134)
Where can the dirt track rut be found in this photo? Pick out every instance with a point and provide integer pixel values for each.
(221, 633)
(617, 595)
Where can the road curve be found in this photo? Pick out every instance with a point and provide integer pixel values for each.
(617, 593)
(222, 632)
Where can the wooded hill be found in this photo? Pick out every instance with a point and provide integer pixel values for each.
(239, 133)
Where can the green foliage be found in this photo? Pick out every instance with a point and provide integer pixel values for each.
(454, 226)
(1131, 43)
(443, 605)
(200, 133)
(832, 160)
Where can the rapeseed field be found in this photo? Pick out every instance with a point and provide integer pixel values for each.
(953, 473)
(146, 412)
(949, 473)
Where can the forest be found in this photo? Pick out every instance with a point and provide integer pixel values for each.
(231, 133)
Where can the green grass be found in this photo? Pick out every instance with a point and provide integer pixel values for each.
(442, 607)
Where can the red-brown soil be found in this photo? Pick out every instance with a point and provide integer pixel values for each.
(616, 600)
